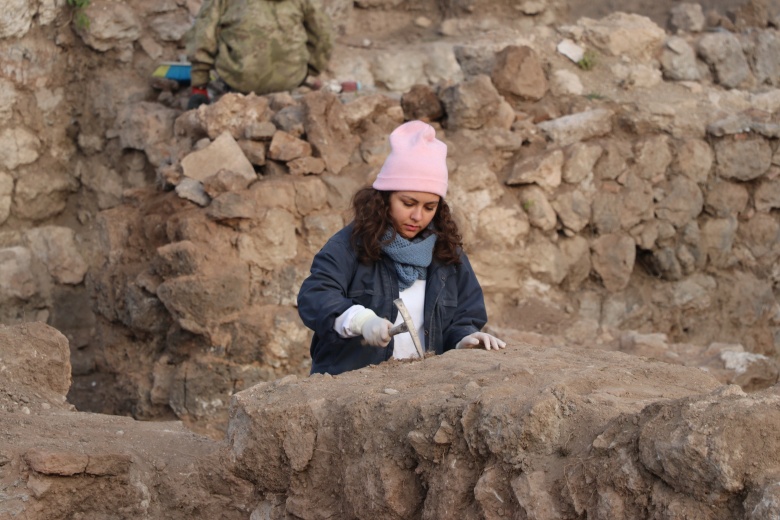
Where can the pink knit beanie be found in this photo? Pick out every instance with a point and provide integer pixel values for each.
(417, 161)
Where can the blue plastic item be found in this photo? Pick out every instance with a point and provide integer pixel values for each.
(175, 70)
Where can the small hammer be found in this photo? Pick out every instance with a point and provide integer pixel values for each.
(407, 326)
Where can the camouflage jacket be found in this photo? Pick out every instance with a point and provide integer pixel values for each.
(259, 46)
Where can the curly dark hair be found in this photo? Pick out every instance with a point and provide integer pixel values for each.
(371, 209)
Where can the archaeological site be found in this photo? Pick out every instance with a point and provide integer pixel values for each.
(614, 168)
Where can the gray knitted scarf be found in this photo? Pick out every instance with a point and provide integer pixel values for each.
(411, 257)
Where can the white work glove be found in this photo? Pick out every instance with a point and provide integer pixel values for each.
(481, 339)
(375, 330)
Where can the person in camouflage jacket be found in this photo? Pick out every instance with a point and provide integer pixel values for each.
(259, 46)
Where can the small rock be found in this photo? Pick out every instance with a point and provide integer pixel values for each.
(687, 17)
(261, 131)
(532, 8)
(423, 22)
(566, 83)
(192, 190)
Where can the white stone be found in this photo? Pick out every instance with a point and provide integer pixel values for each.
(6, 190)
(56, 248)
(740, 361)
(571, 50)
(48, 10)
(532, 8)
(16, 19)
(18, 146)
(566, 83)
(422, 21)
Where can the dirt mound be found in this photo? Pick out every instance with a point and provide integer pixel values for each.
(529, 432)
(538, 433)
(56, 463)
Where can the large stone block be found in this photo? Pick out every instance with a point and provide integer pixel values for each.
(18, 146)
(741, 158)
(234, 113)
(475, 103)
(694, 159)
(574, 209)
(200, 303)
(223, 154)
(271, 242)
(518, 72)
(581, 126)
(723, 52)
(111, 25)
(613, 260)
(682, 201)
(622, 34)
(17, 18)
(42, 193)
(538, 208)
(36, 358)
(56, 247)
(544, 170)
(726, 198)
(327, 130)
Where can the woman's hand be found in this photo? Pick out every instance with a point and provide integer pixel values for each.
(481, 339)
(375, 330)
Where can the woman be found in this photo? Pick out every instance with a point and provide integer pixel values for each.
(402, 242)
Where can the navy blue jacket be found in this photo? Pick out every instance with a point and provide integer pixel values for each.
(454, 305)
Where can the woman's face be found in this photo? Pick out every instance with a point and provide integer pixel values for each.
(412, 211)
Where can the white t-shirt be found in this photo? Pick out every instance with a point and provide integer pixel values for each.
(414, 299)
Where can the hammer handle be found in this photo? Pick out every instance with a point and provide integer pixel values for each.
(399, 329)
